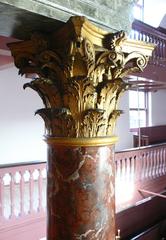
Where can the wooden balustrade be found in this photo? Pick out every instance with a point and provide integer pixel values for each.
(22, 191)
(142, 163)
(23, 186)
(144, 32)
(139, 168)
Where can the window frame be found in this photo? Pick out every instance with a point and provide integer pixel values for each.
(141, 8)
(145, 109)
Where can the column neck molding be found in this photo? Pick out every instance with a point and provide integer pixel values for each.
(82, 142)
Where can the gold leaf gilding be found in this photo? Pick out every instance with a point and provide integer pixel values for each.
(81, 71)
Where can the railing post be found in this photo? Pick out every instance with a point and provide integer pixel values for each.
(164, 160)
(31, 191)
(1, 198)
(138, 166)
(150, 34)
(12, 194)
(22, 189)
(40, 180)
(148, 165)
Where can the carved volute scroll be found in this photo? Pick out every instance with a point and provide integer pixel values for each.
(80, 72)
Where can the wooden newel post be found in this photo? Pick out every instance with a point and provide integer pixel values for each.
(80, 72)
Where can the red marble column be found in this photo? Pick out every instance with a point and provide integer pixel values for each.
(80, 197)
(80, 71)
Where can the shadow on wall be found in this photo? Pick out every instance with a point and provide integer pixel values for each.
(21, 131)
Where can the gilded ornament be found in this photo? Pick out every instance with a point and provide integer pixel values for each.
(80, 72)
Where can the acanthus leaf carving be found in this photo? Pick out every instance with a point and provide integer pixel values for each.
(112, 121)
(48, 92)
(89, 56)
(79, 82)
(58, 122)
(93, 123)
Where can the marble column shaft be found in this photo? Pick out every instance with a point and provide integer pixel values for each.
(81, 74)
(80, 193)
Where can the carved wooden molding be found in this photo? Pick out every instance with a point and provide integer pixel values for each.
(80, 72)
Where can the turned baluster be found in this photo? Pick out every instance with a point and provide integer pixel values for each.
(1, 198)
(31, 190)
(12, 192)
(22, 190)
(40, 182)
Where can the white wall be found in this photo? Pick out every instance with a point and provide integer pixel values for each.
(158, 107)
(154, 10)
(21, 133)
(158, 117)
(123, 127)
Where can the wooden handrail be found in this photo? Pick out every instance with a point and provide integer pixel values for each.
(141, 148)
(144, 32)
(136, 168)
(152, 193)
(19, 164)
(139, 168)
(25, 186)
(143, 27)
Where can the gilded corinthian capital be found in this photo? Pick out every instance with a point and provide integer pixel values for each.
(80, 72)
